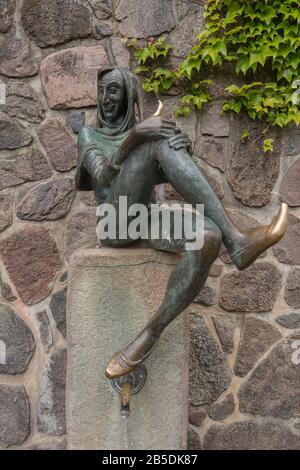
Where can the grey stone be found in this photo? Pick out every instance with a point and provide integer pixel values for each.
(64, 277)
(257, 337)
(292, 320)
(249, 435)
(292, 288)
(209, 372)
(47, 201)
(184, 36)
(59, 144)
(13, 135)
(253, 290)
(76, 121)
(222, 410)
(291, 141)
(102, 30)
(225, 326)
(14, 415)
(6, 291)
(32, 260)
(45, 330)
(53, 22)
(116, 291)
(22, 102)
(197, 415)
(252, 173)
(58, 308)
(15, 56)
(214, 122)
(290, 188)
(6, 215)
(18, 340)
(51, 409)
(141, 19)
(273, 387)
(30, 166)
(6, 14)
(206, 297)
(194, 442)
(120, 53)
(102, 8)
(80, 231)
(214, 151)
(288, 249)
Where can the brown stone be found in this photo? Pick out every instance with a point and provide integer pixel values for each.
(52, 409)
(197, 415)
(22, 103)
(51, 22)
(225, 326)
(193, 440)
(49, 444)
(171, 193)
(30, 166)
(273, 387)
(292, 288)
(14, 415)
(47, 201)
(6, 215)
(80, 231)
(288, 249)
(222, 410)
(6, 14)
(253, 290)
(59, 144)
(141, 18)
(13, 135)
(252, 173)
(18, 340)
(290, 187)
(32, 261)
(15, 56)
(243, 221)
(256, 338)
(69, 77)
(89, 198)
(216, 270)
(214, 151)
(248, 435)
(209, 372)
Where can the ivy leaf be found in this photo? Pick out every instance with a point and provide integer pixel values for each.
(243, 64)
(268, 145)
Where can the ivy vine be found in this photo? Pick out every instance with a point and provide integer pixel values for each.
(259, 38)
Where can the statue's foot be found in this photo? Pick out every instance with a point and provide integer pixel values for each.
(259, 239)
(125, 361)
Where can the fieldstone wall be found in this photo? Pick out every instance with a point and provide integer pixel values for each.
(245, 327)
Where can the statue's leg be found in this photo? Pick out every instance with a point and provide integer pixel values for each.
(187, 178)
(185, 282)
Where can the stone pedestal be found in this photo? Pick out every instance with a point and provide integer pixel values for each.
(111, 294)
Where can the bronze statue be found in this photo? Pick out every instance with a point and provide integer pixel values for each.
(126, 156)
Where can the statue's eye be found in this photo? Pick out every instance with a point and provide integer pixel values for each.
(113, 90)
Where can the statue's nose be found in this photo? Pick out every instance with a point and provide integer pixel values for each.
(105, 97)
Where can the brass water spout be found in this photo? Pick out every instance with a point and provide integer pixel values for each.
(125, 397)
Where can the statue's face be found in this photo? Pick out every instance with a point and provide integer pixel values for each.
(112, 95)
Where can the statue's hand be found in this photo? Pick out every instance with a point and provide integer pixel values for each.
(180, 141)
(155, 128)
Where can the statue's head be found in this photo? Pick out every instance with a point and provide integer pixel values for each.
(119, 93)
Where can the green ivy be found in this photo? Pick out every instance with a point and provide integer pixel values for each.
(259, 38)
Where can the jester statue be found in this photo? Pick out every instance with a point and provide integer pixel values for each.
(127, 155)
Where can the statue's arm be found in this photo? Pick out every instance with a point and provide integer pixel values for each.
(99, 168)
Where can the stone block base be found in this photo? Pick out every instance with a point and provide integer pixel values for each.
(111, 294)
